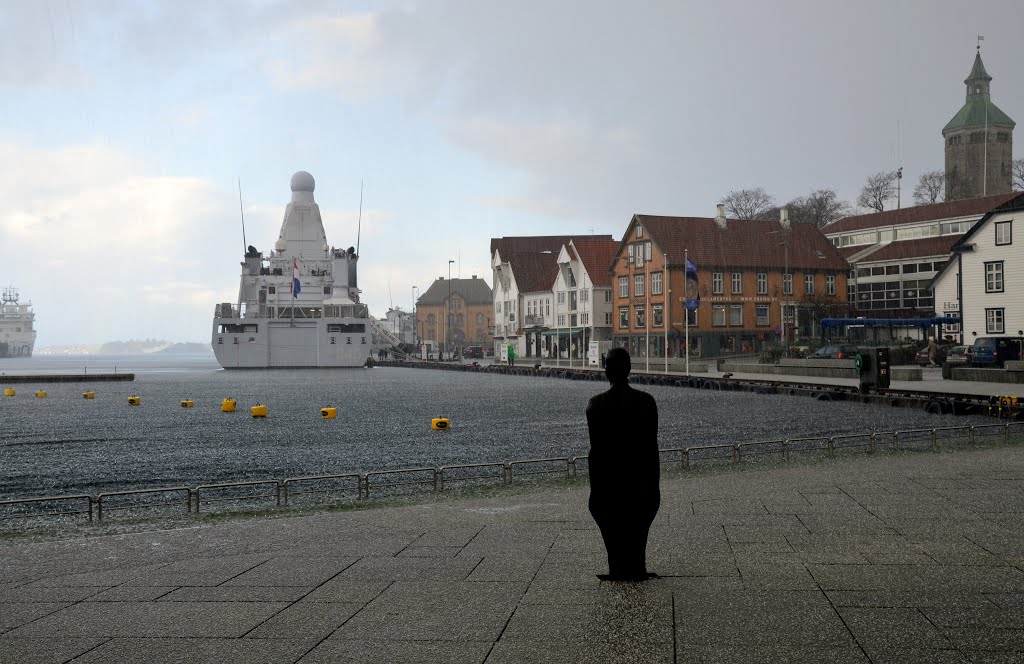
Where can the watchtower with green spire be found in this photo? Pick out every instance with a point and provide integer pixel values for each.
(979, 142)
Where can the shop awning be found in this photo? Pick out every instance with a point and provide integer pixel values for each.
(564, 331)
(891, 322)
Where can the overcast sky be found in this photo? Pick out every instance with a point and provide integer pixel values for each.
(125, 127)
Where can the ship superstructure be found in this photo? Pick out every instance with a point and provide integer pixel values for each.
(17, 331)
(298, 306)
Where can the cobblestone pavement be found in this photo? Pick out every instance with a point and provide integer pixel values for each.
(903, 557)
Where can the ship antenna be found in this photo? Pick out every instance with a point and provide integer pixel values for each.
(242, 212)
(359, 227)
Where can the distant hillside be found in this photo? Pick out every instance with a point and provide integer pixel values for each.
(144, 346)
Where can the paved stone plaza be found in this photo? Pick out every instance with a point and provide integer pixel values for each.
(905, 557)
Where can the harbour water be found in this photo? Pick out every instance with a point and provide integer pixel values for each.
(66, 444)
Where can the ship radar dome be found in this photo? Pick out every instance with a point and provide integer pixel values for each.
(303, 181)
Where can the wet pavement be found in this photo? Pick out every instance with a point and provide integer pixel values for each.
(895, 557)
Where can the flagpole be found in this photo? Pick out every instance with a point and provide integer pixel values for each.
(667, 318)
(686, 311)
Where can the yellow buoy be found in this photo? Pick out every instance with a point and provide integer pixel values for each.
(228, 406)
(134, 401)
(187, 403)
(329, 413)
(88, 395)
(259, 411)
(40, 394)
(9, 392)
(440, 423)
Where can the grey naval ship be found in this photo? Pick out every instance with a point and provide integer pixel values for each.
(298, 307)
(17, 334)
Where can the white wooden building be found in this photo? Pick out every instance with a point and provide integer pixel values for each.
(983, 281)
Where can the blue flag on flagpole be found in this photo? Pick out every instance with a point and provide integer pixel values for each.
(692, 299)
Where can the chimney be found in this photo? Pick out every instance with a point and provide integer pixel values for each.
(720, 216)
(784, 218)
(474, 276)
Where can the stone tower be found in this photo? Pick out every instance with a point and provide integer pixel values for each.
(979, 142)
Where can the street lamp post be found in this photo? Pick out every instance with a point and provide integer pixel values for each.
(448, 310)
(415, 321)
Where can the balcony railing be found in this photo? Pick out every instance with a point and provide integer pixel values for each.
(534, 320)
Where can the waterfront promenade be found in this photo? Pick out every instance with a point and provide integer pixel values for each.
(894, 557)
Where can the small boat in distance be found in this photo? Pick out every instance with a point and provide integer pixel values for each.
(298, 306)
(17, 334)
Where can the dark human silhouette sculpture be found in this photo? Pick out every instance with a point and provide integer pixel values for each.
(624, 469)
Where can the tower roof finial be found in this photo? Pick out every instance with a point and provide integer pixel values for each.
(981, 38)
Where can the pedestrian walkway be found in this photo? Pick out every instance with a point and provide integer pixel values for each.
(895, 557)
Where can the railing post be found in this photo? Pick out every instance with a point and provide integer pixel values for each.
(935, 440)
(831, 446)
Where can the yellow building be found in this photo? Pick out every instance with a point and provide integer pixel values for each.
(457, 312)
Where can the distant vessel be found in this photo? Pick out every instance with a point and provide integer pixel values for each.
(299, 306)
(17, 335)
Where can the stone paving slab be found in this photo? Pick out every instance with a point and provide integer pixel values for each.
(906, 557)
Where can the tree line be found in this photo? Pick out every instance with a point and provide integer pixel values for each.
(823, 206)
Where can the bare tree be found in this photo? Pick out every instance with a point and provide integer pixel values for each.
(1018, 174)
(748, 203)
(879, 188)
(931, 188)
(820, 208)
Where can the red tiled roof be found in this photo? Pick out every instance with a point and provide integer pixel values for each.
(596, 254)
(741, 244)
(904, 249)
(921, 213)
(534, 267)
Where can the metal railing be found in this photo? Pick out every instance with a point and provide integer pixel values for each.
(438, 478)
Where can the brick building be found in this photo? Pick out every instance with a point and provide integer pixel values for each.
(757, 281)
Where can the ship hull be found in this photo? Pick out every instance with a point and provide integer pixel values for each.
(284, 344)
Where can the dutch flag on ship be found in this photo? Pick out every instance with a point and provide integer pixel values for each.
(296, 287)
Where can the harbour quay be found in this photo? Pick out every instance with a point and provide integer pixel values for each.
(906, 557)
(43, 379)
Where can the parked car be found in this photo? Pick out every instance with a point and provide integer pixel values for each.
(957, 353)
(993, 352)
(921, 357)
(473, 352)
(834, 352)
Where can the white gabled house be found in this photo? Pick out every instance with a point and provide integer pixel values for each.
(582, 296)
(983, 281)
(526, 271)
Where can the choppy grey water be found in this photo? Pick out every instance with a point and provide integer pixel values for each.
(65, 444)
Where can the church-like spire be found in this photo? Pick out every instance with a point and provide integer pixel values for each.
(978, 80)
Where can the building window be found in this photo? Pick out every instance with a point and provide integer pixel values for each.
(608, 318)
(737, 283)
(994, 277)
(561, 320)
(497, 307)
(561, 297)
(624, 318)
(691, 317)
(639, 230)
(272, 290)
(584, 318)
(641, 320)
(718, 315)
(656, 283)
(717, 283)
(1004, 233)
(787, 283)
(479, 319)
(584, 295)
(830, 284)
(994, 321)
(639, 255)
(608, 294)
(630, 249)
(762, 283)
(656, 311)
(762, 312)
(623, 286)
(809, 284)
(638, 285)
(647, 251)
(736, 315)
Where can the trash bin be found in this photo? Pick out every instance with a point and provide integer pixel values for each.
(947, 371)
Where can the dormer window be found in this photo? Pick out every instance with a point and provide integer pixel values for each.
(639, 230)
